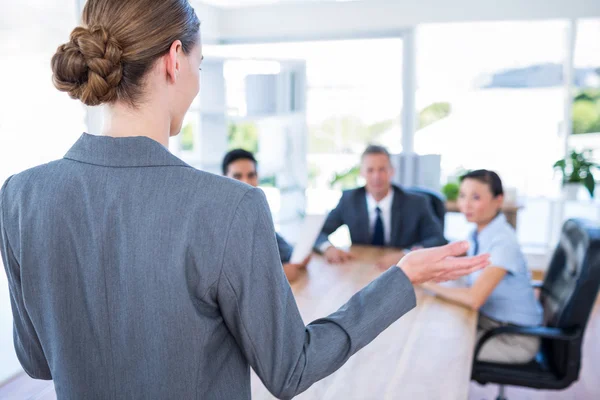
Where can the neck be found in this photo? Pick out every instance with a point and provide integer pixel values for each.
(481, 225)
(381, 195)
(149, 120)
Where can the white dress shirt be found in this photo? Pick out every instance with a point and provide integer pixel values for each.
(385, 205)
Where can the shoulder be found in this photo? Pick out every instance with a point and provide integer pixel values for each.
(415, 200)
(217, 185)
(42, 176)
(353, 194)
(47, 170)
(504, 240)
(227, 197)
(505, 232)
(25, 188)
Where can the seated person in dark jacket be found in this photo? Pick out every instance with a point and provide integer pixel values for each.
(241, 165)
(381, 214)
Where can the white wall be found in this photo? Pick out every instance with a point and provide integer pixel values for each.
(374, 17)
(210, 20)
(37, 122)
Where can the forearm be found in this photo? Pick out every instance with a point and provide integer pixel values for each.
(461, 296)
(322, 243)
(332, 223)
(332, 340)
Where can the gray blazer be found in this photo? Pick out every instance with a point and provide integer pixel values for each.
(413, 220)
(135, 276)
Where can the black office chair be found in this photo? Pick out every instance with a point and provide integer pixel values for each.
(567, 295)
(436, 200)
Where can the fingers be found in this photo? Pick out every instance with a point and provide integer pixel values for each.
(335, 256)
(333, 259)
(456, 273)
(464, 262)
(338, 256)
(344, 256)
(452, 249)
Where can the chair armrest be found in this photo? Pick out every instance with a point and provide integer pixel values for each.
(537, 284)
(536, 331)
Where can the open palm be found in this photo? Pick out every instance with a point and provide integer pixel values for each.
(442, 263)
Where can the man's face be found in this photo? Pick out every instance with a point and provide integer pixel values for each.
(243, 170)
(378, 172)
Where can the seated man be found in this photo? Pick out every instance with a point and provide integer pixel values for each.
(241, 165)
(381, 214)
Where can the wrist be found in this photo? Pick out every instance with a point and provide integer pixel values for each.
(408, 270)
(325, 246)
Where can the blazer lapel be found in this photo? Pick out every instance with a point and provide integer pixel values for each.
(363, 234)
(395, 238)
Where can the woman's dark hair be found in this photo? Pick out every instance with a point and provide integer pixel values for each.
(490, 178)
(118, 42)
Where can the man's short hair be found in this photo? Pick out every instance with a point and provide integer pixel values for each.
(375, 149)
(235, 155)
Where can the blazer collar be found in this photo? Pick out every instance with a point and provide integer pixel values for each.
(398, 193)
(133, 151)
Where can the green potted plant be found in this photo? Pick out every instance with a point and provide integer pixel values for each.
(450, 190)
(347, 179)
(576, 170)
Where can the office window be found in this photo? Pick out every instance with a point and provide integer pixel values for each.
(586, 99)
(500, 86)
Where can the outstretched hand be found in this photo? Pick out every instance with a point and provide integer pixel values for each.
(439, 264)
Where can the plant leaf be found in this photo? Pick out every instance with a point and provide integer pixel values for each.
(590, 184)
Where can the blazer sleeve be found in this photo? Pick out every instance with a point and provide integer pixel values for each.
(332, 223)
(259, 309)
(27, 344)
(430, 229)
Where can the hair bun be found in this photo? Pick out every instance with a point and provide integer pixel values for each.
(89, 66)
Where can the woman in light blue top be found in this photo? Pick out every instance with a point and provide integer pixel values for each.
(501, 293)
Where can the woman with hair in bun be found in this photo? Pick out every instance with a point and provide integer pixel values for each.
(134, 275)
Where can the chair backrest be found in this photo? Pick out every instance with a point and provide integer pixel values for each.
(570, 289)
(436, 201)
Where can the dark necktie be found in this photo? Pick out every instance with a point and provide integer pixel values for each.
(378, 231)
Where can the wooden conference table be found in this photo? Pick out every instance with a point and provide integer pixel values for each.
(427, 354)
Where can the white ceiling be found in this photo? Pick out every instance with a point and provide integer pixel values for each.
(243, 21)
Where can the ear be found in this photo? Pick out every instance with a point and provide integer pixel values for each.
(173, 62)
(499, 200)
(362, 170)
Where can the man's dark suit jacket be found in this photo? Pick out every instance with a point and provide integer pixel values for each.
(413, 220)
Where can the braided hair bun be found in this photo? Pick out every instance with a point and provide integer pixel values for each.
(89, 66)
